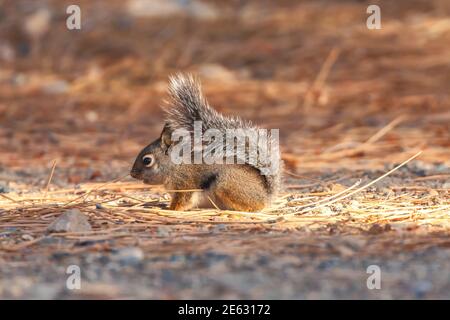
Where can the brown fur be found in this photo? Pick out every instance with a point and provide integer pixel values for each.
(238, 187)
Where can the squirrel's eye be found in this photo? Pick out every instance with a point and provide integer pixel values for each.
(148, 160)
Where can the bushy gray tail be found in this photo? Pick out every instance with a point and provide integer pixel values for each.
(187, 104)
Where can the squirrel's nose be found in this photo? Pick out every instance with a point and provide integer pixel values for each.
(135, 174)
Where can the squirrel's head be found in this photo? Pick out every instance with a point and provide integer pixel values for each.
(153, 162)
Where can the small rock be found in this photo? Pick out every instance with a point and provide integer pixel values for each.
(163, 231)
(27, 237)
(327, 211)
(442, 168)
(19, 79)
(7, 52)
(157, 8)
(129, 256)
(219, 228)
(4, 188)
(167, 8)
(70, 221)
(202, 11)
(91, 116)
(354, 204)
(216, 72)
(44, 291)
(55, 87)
(421, 288)
(38, 23)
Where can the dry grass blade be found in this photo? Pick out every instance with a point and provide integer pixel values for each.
(50, 178)
(357, 190)
(96, 189)
(385, 130)
(321, 77)
(212, 202)
(8, 198)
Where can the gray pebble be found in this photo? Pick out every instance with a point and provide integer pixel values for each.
(129, 256)
(70, 221)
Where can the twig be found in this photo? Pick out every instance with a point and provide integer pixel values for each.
(50, 178)
(434, 177)
(10, 199)
(321, 77)
(385, 130)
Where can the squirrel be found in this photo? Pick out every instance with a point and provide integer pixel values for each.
(236, 186)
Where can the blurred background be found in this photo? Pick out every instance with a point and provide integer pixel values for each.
(91, 97)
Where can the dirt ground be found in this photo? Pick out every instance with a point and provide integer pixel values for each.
(76, 106)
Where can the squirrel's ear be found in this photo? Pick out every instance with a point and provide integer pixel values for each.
(166, 135)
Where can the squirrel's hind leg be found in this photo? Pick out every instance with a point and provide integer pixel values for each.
(240, 190)
(182, 201)
(238, 202)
